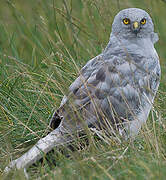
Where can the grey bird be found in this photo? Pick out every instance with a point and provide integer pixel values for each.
(114, 91)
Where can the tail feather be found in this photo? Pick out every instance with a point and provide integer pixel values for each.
(44, 145)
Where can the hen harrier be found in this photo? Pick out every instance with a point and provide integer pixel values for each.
(114, 90)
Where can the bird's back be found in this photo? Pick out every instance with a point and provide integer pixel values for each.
(112, 89)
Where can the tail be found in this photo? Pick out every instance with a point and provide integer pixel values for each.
(44, 145)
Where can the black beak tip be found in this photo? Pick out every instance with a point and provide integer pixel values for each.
(136, 31)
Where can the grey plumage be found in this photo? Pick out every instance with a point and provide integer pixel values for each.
(118, 86)
(114, 90)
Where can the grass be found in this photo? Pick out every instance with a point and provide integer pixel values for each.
(43, 44)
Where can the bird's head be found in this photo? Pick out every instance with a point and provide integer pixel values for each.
(132, 22)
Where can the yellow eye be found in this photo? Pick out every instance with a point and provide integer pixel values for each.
(143, 21)
(126, 21)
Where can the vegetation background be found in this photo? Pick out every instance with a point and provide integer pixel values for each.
(43, 43)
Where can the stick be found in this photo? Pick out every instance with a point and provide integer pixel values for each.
(44, 145)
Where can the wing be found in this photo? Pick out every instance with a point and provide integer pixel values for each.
(79, 92)
(110, 91)
(99, 93)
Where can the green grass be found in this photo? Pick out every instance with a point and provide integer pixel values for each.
(43, 44)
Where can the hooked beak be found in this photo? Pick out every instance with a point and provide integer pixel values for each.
(135, 27)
